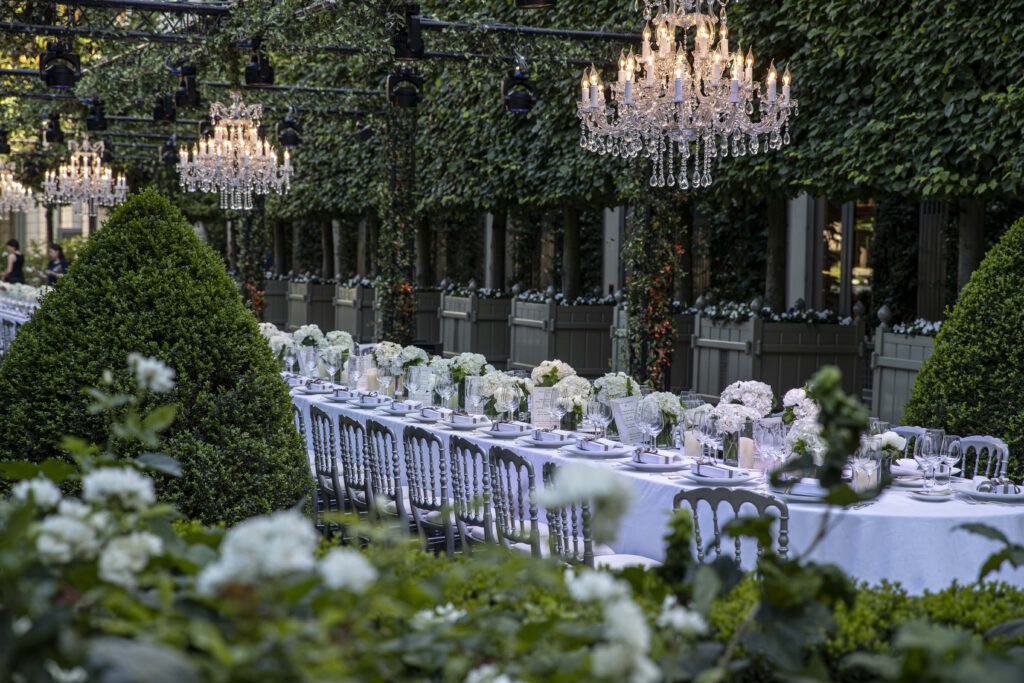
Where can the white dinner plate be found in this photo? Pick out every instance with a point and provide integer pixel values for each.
(398, 412)
(339, 399)
(466, 426)
(368, 406)
(657, 467)
(595, 455)
(794, 498)
(969, 489)
(741, 479)
(549, 443)
(487, 431)
(908, 482)
(932, 496)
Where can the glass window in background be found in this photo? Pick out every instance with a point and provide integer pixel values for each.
(832, 268)
(863, 237)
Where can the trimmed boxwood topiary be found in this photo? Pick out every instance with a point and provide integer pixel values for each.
(146, 283)
(973, 383)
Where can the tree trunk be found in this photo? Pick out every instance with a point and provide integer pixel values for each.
(775, 282)
(971, 245)
(296, 247)
(326, 250)
(232, 254)
(363, 247)
(494, 278)
(571, 253)
(337, 242)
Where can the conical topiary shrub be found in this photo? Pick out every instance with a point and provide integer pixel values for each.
(146, 283)
(974, 381)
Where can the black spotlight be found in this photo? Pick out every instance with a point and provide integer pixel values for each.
(164, 110)
(289, 132)
(206, 127)
(52, 134)
(96, 119)
(405, 89)
(408, 39)
(259, 71)
(59, 67)
(518, 92)
(5, 145)
(362, 134)
(534, 4)
(187, 94)
(169, 151)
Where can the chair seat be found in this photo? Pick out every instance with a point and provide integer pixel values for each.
(542, 531)
(392, 509)
(476, 533)
(623, 561)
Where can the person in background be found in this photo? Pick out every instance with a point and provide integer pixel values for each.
(15, 272)
(58, 264)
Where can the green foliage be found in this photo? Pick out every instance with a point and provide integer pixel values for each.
(894, 257)
(973, 382)
(145, 283)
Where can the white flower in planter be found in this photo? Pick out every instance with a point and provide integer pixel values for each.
(345, 569)
(118, 486)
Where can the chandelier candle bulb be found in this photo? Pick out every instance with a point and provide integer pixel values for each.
(749, 74)
(734, 90)
(584, 90)
(723, 41)
(716, 69)
(786, 79)
(647, 42)
(772, 77)
(622, 67)
(593, 88)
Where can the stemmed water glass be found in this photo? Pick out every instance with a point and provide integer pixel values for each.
(600, 413)
(769, 443)
(291, 359)
(926, 454)
(877, 426)
(709, 436)
(474, 395)
(355, 371)
(445, 388)
(561, 409)
(651, 422)
(950, 454)
(507, 399)
(332, 359)
(386, 377)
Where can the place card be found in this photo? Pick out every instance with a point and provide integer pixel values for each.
(624, 414)
(542, 408)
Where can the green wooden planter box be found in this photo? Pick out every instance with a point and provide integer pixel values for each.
(577, 335)
(894, 364)
(781, 354)
(275, 302)
(474, 325)
(354, 312)
(310, 304)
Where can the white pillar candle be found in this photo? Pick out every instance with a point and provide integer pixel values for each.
(716, 70)
(746, 453)
(371, 380)
(691, 446)
(628, 94)
(679, 89)
(593, 96)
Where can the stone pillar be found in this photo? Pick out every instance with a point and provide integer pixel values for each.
(424, 251)
(611, 261)
(296, 247)
(971, 244)
(800, 217)
(496, 229)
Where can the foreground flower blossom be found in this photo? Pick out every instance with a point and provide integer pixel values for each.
(344, 569)
(151, 374)
(44, 493)
(609, 494)
(126, 556)
(118, 486)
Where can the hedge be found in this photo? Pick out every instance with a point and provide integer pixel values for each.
(146, 283)
(974, 381)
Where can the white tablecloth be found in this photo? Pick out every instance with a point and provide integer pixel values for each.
(897, 538)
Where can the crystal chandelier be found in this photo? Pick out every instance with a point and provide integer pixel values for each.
(84, 180)
(685, 99)
(14, 197)
(233, 160)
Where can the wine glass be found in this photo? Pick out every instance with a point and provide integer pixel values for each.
(445, 388)
(711, 436)
(950, 455)
(290, 359)
(331, 358)
(508, 400)
(474, 395)
(651, 422)
(386, 377)
(877, 426)
(355, 371)
(561, 409)
(925, 453)
(600, 413)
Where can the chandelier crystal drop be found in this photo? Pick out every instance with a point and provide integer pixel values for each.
(84, 180)
(685, 99)
(233, 160)
(14, 197)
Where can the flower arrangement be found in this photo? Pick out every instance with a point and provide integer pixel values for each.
(412, 356)
(454, 289)
(804, 437)
(576, 389)
(919, 327)
(493, 382)
(668, 404)
(732, 416)
(615, 385)
(537, 296)
(797, 405)
(387, 355)
(23, 293)
(892, 445)
(752, 394)
(738, 312)
(469, 365)
(308, 335)
(340, 339)
(440, 366)
(551, 372)
(359, 281)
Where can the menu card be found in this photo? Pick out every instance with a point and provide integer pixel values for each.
(624, 414)
(542, 407)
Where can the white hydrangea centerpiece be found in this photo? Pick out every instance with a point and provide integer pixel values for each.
(798, 405)
(386, 354)
(308, 335)
(412, 356)
(668, 404)
(551, 372)
(615, 385)
(752, 394)
(469, 365)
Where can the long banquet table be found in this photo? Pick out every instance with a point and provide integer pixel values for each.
(897, 538)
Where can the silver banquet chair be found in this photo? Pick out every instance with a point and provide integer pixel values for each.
(991, 456)
(513, 486)
(330, 491)
(471, 492)
(426, 467)
(354, 463)
(734, 500)
(389, 498)
(911, 434)
(571, 537)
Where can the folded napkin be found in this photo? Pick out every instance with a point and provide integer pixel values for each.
(405, 405)
(1001, 486)
(316, 385)
(659, 458)
(344, 392)
(715, 471)
(461, 419)
(508, 427)
(372, 399)
(433, 413)
(905, 467)
(542, 435)
(597, 445)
